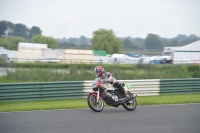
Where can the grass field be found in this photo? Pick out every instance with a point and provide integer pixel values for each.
(82, 103)
(48, 72)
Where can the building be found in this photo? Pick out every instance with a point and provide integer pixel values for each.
(29, 52)
(77, 56)
(187, 54)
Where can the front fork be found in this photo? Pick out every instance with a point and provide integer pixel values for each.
(98, 96)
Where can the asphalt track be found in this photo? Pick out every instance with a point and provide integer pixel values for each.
(145, 119)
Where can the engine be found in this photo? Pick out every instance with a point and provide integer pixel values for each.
(109, 96)
(113, 95)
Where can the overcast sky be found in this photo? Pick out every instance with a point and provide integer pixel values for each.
(135, 18)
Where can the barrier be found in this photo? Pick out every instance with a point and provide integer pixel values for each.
(80, 89)
(140, 87)
(41, 91)
(179, 86)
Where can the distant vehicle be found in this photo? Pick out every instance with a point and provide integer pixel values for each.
(123, 59)
(135, 55)
(51, 56)
(146, 60)
(129, 60)
(3, 58)
(116, 58)
(167, 54)
(10, 54)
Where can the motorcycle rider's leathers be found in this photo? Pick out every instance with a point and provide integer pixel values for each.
(107, 77)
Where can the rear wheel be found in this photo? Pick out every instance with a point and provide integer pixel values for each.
(131, 104)
(93, 104)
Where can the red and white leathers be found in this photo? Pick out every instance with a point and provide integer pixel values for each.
(107, 77)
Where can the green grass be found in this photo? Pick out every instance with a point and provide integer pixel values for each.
(169, 99)
(43, 72)
(82, 103)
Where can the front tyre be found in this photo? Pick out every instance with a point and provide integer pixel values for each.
(131, 104)
(93, 104)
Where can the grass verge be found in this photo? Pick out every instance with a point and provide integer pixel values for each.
(50, 72)
(82, 103)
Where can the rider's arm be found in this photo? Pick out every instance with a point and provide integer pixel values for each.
(111, 79)
(96, 84)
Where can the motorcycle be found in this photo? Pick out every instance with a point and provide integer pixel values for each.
(111, 96)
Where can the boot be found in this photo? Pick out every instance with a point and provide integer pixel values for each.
(122, 91)
(124, 95)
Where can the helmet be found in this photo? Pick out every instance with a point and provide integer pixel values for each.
(99, 70)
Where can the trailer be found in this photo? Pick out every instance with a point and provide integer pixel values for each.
(167, 55)
(51, 56)
(8, 55)
(29, 52)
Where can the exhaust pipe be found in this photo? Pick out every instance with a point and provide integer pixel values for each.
(125, 100)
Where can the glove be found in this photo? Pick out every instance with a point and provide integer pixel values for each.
(110, 80)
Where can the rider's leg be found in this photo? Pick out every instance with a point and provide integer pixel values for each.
(121, 88)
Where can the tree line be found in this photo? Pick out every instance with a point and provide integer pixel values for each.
(103, 39)
(106, 40)
(11, 34)
(155, 42)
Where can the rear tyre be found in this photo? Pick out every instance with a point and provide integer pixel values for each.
(131, 104)
(93, 104)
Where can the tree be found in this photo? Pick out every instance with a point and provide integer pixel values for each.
(52, 43)
(21, 30)
(105, 40)
(4, 43)
(73, 40)
(193, 38)
(153, 42)
(9, 29)
(11, 42)
(14, 42)
(35, 31)
(65, 45)
(6, 28)
(83, 40)
(127, 44)
(3, 28)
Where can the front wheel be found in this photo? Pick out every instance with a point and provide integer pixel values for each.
(131, 104)
(93, 104)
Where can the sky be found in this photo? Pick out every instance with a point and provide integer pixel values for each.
(134, 18)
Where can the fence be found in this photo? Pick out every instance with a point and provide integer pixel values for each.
(80, 89)
(41, 91)
(139, 87)
(100, 61)
(179, 86)
(52, 60)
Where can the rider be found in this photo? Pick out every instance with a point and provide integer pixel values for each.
(106, 77)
